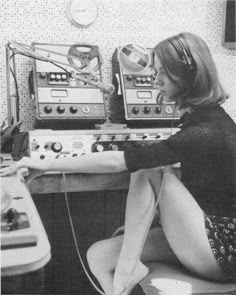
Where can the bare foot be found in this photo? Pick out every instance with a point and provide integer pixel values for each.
(125, 280)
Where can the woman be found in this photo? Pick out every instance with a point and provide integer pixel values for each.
(196, 214)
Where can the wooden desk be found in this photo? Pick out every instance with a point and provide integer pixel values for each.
(23, 260)
(54, 183)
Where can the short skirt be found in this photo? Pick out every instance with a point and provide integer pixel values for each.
(221, 233)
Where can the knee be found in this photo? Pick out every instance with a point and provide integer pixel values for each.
(102, 255)
(95, 254)
(170, 182)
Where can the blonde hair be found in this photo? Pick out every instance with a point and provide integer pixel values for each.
(199, 84)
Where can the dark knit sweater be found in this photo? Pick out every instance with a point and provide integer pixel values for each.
(206, 149)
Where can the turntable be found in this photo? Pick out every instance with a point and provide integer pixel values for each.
(16, 230)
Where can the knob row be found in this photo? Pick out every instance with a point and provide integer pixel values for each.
(147, 110)
(139, 79)
(62, 109)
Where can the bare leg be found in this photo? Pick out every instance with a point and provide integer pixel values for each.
(140, 209)
(102, 259)
(103, 255)
(182, 220)
(183, 224)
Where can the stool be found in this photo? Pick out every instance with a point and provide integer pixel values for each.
(165, 279)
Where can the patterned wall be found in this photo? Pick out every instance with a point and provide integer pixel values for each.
(119, 22)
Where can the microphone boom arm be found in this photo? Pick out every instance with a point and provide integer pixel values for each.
(28, 51)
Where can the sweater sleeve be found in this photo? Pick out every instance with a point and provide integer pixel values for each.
(189, 142)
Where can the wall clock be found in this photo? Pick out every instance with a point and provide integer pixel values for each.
(82, 13)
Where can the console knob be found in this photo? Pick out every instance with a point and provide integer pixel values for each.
(47, 109)
(114, 147)
(146, 110)
(60, 109)
(99, 148)
(73, 109)
(42, 157)
(56, 147)
(135, 110)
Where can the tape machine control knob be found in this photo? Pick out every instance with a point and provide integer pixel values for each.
(56, 147)
(52, 77)
(47, 109)
(158, 110)
(43, 75)
(60, 109)
(58, 77)
(135, 110)
(73, 109)
(146, 110)
(130, 77)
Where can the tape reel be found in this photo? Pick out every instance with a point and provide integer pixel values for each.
(134, 58)
(84, 57)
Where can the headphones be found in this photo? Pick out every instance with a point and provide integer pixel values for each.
(182, 51)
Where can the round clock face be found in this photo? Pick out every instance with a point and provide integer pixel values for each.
(82, 12)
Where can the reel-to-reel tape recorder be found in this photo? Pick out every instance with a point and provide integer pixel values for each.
(62, 95)
(137, 98)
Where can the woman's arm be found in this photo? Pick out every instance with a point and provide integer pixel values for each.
(104, 162)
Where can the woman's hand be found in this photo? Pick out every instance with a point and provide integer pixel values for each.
(10, 170)
(23, 169)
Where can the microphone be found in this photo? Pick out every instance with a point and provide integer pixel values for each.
(106, 88)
